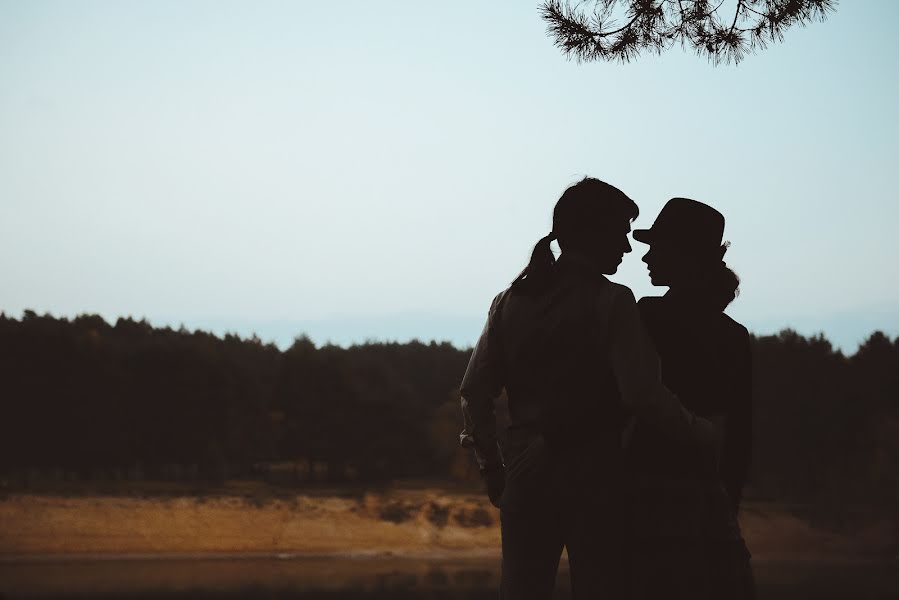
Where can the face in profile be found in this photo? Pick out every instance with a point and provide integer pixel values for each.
(612, 246)
(605, 247)
(665, 264)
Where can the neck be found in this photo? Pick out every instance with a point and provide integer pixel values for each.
(575, 258)
(689, 295)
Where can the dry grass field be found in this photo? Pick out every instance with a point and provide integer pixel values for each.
(242, 519)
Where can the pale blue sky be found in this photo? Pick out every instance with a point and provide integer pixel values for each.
(362, 169)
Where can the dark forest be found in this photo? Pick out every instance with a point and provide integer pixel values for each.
(84, 400)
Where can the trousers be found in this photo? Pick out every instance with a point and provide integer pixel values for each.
(555, 501)
(687, 542)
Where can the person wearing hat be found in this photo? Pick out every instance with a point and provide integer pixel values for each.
(686, 537)
(568, 347)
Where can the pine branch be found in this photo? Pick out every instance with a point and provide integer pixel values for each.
(656, 25)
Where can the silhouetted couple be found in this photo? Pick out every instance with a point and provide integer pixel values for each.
(637, 470)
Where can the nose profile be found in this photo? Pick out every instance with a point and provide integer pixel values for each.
(627, 246)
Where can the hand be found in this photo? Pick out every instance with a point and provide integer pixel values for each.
(496, 484)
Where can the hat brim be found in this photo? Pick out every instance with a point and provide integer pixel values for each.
(643, 235)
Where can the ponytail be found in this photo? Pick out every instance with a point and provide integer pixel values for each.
(538, 273)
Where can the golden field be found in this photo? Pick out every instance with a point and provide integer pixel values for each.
(425, 522)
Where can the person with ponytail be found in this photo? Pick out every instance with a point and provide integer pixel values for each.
(687, 540)
(568, 347)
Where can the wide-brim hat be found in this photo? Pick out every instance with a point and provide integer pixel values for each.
(686, 224)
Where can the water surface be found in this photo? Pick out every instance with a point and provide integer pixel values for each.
(380, 578)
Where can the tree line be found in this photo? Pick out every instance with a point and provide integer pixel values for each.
(86, 398)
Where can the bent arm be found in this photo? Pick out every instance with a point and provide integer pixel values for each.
(636, 366)
(481, 385)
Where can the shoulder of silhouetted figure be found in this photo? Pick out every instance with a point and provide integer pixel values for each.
(734, 330)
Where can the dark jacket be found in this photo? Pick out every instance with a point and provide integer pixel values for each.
(706, 361)
(575, 361)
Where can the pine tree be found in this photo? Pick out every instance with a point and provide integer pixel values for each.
(618, 30)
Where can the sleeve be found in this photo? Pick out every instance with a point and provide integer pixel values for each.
(636, 367)
(737, 448)
(481, 385)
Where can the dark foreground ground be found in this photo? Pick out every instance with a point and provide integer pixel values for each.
(380, 579)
